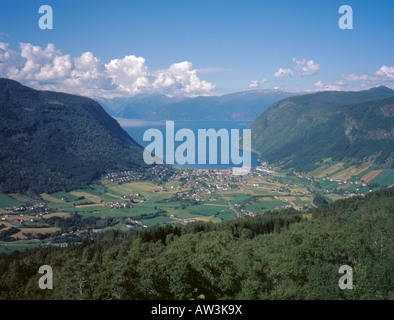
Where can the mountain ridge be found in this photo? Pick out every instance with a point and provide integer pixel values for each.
(243, 106)
(52, 141)
(303, 130)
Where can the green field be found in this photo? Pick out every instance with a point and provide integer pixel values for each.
(182, 213)
(142, 187)
(155, 221)
(202, 210)
(10, 247)
(226, 215)
(385, 178)
(8, 202)
(59, 195)
(96, 200)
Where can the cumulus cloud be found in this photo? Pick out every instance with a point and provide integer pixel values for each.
(281, 73)
(384, 76)
(183, 79)
(256, 83)
(306, 68)
(321, 86)
(10, 61)
(48, 68)
(129, 74)
(386, 72)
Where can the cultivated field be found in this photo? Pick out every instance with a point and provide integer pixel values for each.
(370, 175)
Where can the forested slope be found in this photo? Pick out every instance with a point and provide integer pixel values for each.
(53, 141)
(278, 255)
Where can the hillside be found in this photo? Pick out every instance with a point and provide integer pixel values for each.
(299, 132)
(246, 105)
(278, 255)
(53, 141)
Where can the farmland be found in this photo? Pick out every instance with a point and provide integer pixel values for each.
(189, 196)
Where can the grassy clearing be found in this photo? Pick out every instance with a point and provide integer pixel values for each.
(142, 187)
(350, 172)
(50, 198)
(59, 195)
(39, 230)
(208, 219)
(333, 197)
(202, 210)
(87, 205)
(157, 220)
(181, 213)
(321, 172)
(19, 197)
(226, 215)
(215, 205)
(9, 247)
(113, 195)
(88, 196)
(370, 175)
(57, 214)
(385, 178)
(8, 202)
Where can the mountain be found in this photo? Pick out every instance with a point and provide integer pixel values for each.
(246, 105)
(300, 131)
(52, 141)
(137, 107)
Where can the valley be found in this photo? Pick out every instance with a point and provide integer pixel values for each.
(132, 200)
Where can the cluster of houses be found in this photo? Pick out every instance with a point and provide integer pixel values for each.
(135, 222)
(23, 208)
(340, 182)
(155, 172)
(114, 205)
(37, 210)
(174, 217)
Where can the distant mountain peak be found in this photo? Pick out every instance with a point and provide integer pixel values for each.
(382, 89)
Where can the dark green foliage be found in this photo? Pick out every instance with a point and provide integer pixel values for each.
(319, 200)
(5, 235)
(277, 255)
(53, 141)
(344, 126)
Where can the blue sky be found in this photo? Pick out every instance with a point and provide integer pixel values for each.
(197, 47)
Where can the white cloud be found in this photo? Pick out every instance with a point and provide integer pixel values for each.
(353, 77)
(10, 61)
(321, 86)
(129, 74)
(256, 83)
(281, 73)
(87, 75)
(183, 79)
(386, 72)
(382, 77)
(306, 68)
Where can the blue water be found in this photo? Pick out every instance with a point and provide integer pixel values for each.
(136, 129)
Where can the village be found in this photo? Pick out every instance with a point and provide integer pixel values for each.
(131, 200)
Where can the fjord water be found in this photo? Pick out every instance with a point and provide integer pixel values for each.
(136, 129)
